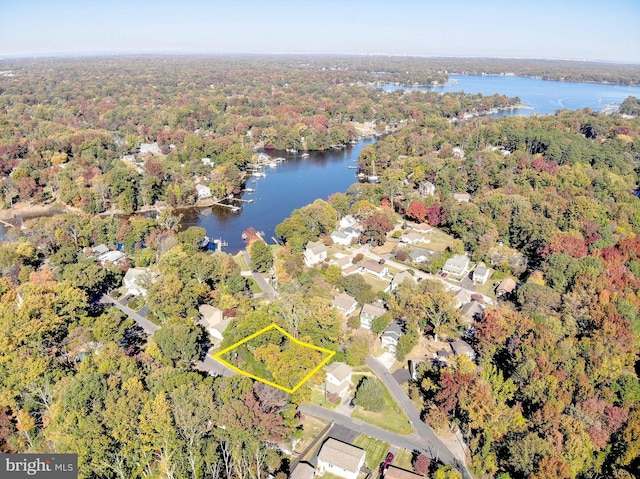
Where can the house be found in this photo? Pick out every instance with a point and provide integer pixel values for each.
(207, 161)
(353, 232)
(462, 347)
(303, 470)
(345, 304)
(481, 274)
(399, 278)
(391, 336)
(462, 297)
(347, 221)
(423, 228)
(370, 312)
(458, 152)
(100, 250)
(340, 459)
(419, 255)
(340, 237)
(343, 262)
(338, 379)
(412, 237)
(212, 319)
(114, 257)
(137, 280)
(462, 197)
(149, 148)
(203, 192)
(457, 265)
(314, 253)
(506, 286)
(441, 357)
(426, 188)
(375, 268)
(394, 472)
(472, 311)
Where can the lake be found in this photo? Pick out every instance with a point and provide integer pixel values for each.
(544, 97)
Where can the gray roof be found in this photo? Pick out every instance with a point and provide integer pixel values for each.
(394, 330)
(462, 347)
(344, 302)
(341, 454)
(480, 271)
(416, 253)
(373, 310)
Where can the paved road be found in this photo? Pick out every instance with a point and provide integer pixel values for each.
(212, 366)
(410, 443)
(143, 322)
(437, 447)
(263, 283)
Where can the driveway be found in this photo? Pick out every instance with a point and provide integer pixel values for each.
(143, 322)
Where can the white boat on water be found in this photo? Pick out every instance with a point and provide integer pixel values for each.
(259, 174)
(305, 155)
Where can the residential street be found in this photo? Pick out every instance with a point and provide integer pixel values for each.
(437, 447)
(143, 322)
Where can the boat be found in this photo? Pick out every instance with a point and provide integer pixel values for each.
(259, 174)
(305, 155)
(272, 164)
(249, 190)
(352, 167)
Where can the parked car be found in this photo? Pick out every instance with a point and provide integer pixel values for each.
(352, 403)
(387, 462)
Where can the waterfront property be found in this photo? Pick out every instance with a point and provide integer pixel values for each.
(314, 253)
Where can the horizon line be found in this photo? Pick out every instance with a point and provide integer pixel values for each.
(123, 53)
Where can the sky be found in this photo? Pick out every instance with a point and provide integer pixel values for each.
(604, 30)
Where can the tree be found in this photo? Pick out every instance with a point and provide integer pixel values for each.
(179, 341)
(406, 343)
(376, 228)
(261, 256)
(417, 210)
(370, 394)
(421, 464)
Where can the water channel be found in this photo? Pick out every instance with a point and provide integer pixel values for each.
(299, 181)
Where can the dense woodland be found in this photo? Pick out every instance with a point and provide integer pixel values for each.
(555, 391)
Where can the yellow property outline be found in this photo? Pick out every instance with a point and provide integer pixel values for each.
(218, 357)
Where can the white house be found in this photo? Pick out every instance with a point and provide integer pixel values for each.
(481, 274)
(203, 192)
(314, 253)
(419, 255)
(345, 304)
(137, 280)
(462, 197)
(340, 237)
(375, 268)
(207, 161)
(426, 188)
(461, 347)
(353, 232)
(457, 265)
(391, 336)
(115, 257)
(340, 459)
(338, 378)
(412, 237)
(347, 221)
(399, 278)
(370, 312)
(211, 319)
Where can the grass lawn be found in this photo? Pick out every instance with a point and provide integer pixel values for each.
(488, 289)
(392, 417)
(439, 240)
(317, 397)
(253, 286)
(376, 450)
(242, 262)
(403, 459)
(311, 427)
(377, 284)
